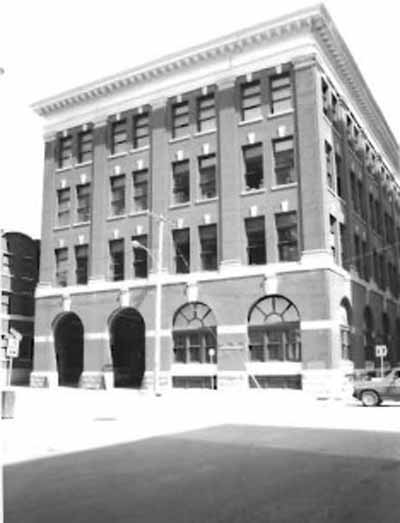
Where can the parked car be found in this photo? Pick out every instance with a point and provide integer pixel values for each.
(371, 390)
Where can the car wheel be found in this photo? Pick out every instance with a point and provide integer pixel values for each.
(370, 398)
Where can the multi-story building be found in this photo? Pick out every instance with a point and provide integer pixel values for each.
(275, 173)
(19, 272)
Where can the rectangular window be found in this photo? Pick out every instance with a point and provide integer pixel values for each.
(333, 238)
(117, 260)
(65, 152)
(180, 119)
(378, 217)
(377, 276)
(81, 260)
(281, 93)
(85, 146)
(83, 202)
(357, 254)
(354, 195)
(365, 260)
(325, 97)
(251, 100)
(253, 165)
(181, 241)
(339, 175)
(207, 177)
(63, 206)
(382, 271)
(140, 190)
(372, 212)
(361, 206)
(286, 227)
(208, 247)
(256, 248)
(140, 256)
(206, 115)
(117, 195)
(284, 160)
(141, 130)
(119, 137)
(181, 181)
(5, 303)
(62, 267)
(342, 242)
(329, 165)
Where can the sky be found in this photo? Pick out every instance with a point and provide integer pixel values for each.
(48, 46)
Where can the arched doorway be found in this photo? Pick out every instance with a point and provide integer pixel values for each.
(127, 341)
(369, 341)
(195, 343)
(68, 340)
(345, 323)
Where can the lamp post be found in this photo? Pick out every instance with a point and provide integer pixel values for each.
(158, 303)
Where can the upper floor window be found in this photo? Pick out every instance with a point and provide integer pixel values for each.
(251, 100)
(83, 202)
(206, 116)
(281, 93)
(181, 241)
(180, 119)
(140, 256)
(85, 146)
(208, 247)
(286, 227)
(253, 164)
(61, 266)
(140, 190)
(117, 195)
(325, 97)
(255, 232)
(81, 261)
(119, 136)
(63, 206)
(329, 165)
(357, 254)
(207, 177)
(65, 151)
(339, 175)
(141, 130)
(181, 182)
(5, 302)
(117, 260)
(283, 150)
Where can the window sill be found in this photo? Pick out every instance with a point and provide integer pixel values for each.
(249, 122)
(64, 169)
(283, 186)
(139, 149)
(179, 139)
(250, 192)
(117, 155)
(139, 213)
(206, 200)
(114, 218)
(81, 224)
(271, 116)
(61, 227)
(84, 164)
(204, 133)
(180, 205)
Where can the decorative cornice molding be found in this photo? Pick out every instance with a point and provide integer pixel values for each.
(314, 21)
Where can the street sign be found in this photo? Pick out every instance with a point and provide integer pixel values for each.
(12, 347)
(380, 351)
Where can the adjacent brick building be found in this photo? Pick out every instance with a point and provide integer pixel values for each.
(19, 272)
(276, 174)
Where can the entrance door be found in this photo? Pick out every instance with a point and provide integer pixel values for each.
(68, 338)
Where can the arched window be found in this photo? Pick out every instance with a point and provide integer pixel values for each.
(369, 341)
(344, 320)
(195, 334)
(274, 330)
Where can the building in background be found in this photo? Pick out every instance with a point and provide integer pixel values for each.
(276, 177)
(19, 272)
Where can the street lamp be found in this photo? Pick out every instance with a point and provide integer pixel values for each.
(158, 298)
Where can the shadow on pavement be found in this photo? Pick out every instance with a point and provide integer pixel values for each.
(220, 474)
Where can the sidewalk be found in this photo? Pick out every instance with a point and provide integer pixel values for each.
(50, 422)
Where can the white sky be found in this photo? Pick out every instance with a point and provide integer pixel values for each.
(47, 46)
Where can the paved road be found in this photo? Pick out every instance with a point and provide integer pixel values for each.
(229, 473)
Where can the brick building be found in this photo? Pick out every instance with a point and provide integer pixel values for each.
(276, 175)
(19, 272)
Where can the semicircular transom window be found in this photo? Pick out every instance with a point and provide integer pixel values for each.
(195, 334)
(274, 330)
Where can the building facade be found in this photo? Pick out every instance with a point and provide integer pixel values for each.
(226, 217)
(19, 273)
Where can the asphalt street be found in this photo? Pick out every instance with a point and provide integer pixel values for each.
(228, 473)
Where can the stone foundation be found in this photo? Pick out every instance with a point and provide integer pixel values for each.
(232, 381)
(44, 379)
(92, 380)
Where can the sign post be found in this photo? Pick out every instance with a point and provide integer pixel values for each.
(381, 352)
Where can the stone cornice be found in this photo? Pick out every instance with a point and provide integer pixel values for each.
(315, 21)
